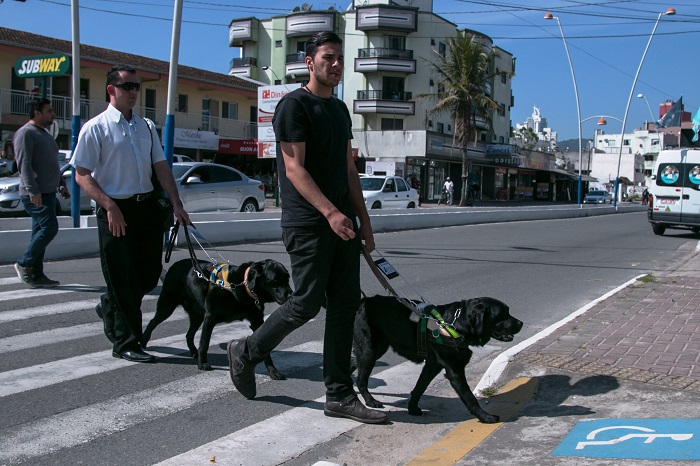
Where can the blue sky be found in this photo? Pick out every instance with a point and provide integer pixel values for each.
(606, 40)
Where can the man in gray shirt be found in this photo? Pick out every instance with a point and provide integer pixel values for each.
(36, 154)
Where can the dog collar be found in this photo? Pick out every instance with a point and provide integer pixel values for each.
(247, 288)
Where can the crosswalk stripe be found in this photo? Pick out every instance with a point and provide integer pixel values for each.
(87, 423)
(54, 309)
(36, 292)
(10, 281)
(279, 441)
(75, 332)
(44, 375)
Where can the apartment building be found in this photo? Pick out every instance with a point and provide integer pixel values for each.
(215, 114)
(388, 46)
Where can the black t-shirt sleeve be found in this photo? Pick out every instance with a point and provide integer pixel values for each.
(290, 121)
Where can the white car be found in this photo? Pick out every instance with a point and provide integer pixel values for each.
(207, 187)
(10, 202)
(388, 192)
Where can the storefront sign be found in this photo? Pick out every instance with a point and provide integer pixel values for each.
(42, 65)
(238, 146)
(513, 161)
(194, 139)
(501, 150)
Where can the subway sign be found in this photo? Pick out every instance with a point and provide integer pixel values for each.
(38, 66)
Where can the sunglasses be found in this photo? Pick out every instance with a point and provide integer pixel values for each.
(128, 86)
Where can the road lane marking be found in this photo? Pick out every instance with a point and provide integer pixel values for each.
(85, 424)
(51, 373)
(54, 309)
(62, 334)
(467, 435)
(279, 440)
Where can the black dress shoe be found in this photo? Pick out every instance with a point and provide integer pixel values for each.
(352, 408)
(134, 356)
(100, 314)
(242, 374)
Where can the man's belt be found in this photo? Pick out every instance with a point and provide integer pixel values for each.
(139, 197)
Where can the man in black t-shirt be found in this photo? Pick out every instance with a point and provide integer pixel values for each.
(322, 198)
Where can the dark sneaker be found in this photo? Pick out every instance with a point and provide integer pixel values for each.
(24, 273)
(352, 408)
(43, 282)
(242, 375)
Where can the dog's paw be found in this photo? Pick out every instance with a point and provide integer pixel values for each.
(415, 410)
(489, 418)
(205, 366)
(374, 404)
(276, 375)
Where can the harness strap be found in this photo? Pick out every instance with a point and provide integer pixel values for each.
(422, 338)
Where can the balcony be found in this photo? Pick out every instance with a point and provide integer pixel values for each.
(243, 67)
(385, 17)
(307, 23)
(14, 110)
(295, 64)
(374, 60)
(241, 31)
(386, 102)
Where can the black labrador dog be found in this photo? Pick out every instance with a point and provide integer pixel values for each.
(382, 322)
(250, 286)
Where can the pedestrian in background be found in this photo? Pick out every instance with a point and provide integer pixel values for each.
(36, 153)
(114, 158)
(322, 198)
(449, 188)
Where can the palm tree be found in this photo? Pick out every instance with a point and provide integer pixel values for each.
(462, 82)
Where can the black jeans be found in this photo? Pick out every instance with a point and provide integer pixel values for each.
(131, 265)
(324, 269)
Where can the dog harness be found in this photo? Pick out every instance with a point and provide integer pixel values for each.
(432, 325)
(219, 277)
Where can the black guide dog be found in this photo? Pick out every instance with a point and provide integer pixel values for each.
(252, 284)
(382, 322)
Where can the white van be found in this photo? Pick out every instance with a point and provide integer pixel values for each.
(675, 191)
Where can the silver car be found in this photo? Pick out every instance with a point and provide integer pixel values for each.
(387, 192)
(10, 202)
(206, 187)
(598, 197)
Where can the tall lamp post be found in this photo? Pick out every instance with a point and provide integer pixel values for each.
(601, 122)
(578, 106)
(642, 96)
(669, 12)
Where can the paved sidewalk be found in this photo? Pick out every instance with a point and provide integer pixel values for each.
(631, 361)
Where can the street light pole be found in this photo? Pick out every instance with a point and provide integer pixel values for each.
(578, 106)
(669, 12)
(642, 96)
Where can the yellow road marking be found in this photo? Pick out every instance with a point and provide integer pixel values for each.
(466, 436)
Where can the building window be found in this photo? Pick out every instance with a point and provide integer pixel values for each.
(440, 88)
(392, 124)
(430, 123)
(626, 142)
(483, 137)
(501, 140)
(278, 43)
(396, 42)
(181, 103)
(449, 128)
(229, 110)
(502, 110)
(504, 77)
(440, 128)
(442, 49)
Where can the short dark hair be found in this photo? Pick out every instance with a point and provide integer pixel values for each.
(37, 105)
(320, 38)
(113, 74)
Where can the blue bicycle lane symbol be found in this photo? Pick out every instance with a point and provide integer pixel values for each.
(633, 438)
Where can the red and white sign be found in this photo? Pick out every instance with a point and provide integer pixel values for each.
(238, 146)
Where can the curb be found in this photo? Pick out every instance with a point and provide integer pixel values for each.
(498, 366)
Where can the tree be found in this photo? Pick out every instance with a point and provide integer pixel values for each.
(462, 78)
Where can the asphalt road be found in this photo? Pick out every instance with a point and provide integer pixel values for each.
(65, 400)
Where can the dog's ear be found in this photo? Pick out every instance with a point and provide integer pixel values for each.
(475, 316)
(256, 270)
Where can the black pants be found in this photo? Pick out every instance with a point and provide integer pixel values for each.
(131, 265)
(323, 267)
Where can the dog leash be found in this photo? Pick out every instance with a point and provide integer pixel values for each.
(430, 320)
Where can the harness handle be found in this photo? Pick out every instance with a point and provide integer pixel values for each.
(193, 256)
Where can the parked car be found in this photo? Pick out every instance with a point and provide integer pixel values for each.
(387, 192)
(207, 187)
(10, 202)
(177, 158)
(598, 197)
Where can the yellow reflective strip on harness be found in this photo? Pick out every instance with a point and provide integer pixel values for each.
(220, 270)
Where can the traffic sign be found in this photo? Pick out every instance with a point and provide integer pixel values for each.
(659, 439)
